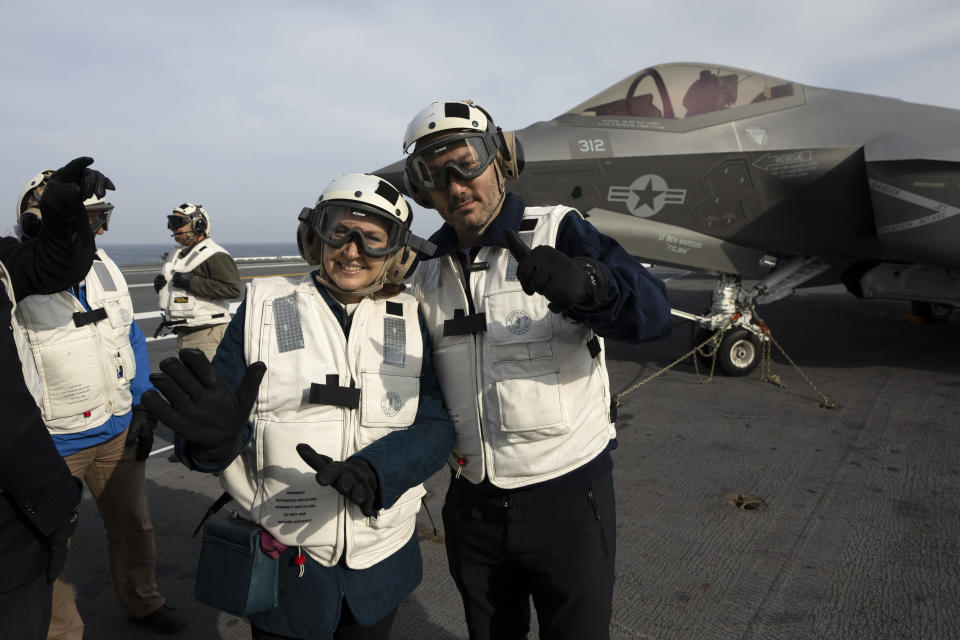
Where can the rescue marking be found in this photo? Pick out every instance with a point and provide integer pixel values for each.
(943, 211)
(774, 162)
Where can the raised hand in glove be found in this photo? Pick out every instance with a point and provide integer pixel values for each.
(159, 282)
(182, 279)
(68, 187)
(564, 281)
(353, 478)
(57, 545)
(140, 432)
(201, 406)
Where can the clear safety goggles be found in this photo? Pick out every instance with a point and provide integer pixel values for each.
(467, 154)
(99, 215)
(373, 232)
(176, 221)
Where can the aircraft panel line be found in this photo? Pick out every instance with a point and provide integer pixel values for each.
(736, 135)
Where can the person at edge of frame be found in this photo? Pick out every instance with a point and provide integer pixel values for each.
(38, 496)
(85, 361)
(198, 281)
(348, 421)
(518, 301)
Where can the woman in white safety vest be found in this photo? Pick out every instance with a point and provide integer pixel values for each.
(346, 420)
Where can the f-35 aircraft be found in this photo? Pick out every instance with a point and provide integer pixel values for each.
(753, 177)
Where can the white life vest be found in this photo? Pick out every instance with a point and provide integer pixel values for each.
(311, 368)
(78, 364)
(528, 392)
(182, 308)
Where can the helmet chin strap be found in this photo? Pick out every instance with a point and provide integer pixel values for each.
(502, 185)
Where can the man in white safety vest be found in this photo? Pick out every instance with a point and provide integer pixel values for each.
(197, 283)
(518, 301)
(85, 361)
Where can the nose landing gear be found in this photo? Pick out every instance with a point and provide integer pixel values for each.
(738, 350)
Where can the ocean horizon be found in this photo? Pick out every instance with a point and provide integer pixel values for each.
(129, 254)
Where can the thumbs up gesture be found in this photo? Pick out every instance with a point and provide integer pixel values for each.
(564, 281)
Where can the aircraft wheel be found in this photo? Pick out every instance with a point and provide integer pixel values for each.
(932, 312)
(739, 352)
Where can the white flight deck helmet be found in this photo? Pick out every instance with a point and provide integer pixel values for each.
(361, 194)
(28, 206)
(195, 214)
(442, 124)
(105, 209)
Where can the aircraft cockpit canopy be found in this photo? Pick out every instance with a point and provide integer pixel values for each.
(683, 90)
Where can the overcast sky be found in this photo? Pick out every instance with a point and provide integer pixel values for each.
(251, 108)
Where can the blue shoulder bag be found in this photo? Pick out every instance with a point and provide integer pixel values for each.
(234, 574)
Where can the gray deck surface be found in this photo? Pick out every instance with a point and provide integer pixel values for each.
(860, 537)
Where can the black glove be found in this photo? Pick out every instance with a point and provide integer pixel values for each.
(181, 279)
(140, 431)
(562, 280)
(202, 407)
(353, 478)
(159, 282)
(57, 545)
(68, 187)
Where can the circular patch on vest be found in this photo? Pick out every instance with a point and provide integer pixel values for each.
(518, 322)
(390, 404)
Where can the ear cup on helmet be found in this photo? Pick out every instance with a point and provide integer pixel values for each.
(511, 155)
(402, 265)
(308, 244)
(419, 196)
(200, 225)
(300, 243)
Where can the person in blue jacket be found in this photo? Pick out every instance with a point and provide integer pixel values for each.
(85, 361)
(518, 300)
(322, 413)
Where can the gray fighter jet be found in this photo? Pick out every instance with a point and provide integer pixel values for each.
(755, 178)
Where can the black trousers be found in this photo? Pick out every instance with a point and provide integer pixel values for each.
(25, 611)
(560, 551)
(347, 629)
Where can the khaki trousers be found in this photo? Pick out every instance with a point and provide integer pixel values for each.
(206, 339)
(115, 478)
